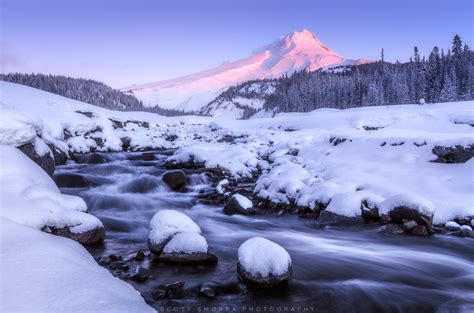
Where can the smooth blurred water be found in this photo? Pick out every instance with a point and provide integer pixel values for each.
(348, 268)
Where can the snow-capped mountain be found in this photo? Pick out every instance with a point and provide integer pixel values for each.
(296, 51)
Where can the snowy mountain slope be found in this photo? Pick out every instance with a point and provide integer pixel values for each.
(241, 101)
(293, 52)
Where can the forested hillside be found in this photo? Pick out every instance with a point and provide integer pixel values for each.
(443, 76)
(86, 90)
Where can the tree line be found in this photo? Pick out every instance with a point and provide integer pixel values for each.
(442, 77)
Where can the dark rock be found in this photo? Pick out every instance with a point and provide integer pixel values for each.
(369, 214)
(176, 179)
(408, 226)
(385, 219)
(401, 213)
(234, 207)
(60, 157)
(115, 265)
(391, 229)
(336, 141)
(88, 114)
(189, 258)
(71, 180)
(104, 261)
(264, 282)
(45, 161)
(456, 154)
(115, 257)
(126, 143)
(116, 124)
(86, 238)
(208, 289)
(159, 293)
(66, 134)
(174, 287)
(140, 274)
(140, 256)
(420, 230)
(171, 138)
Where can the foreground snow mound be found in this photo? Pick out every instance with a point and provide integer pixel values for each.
(263, 262)
(30, 197)
(45, 273)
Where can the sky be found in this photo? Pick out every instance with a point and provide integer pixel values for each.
(125, 42)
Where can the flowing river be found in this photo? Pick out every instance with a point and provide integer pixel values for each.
(339, 268)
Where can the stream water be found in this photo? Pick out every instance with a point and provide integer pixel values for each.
(346, 268)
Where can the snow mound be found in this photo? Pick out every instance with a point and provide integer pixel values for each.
(243, 202)
(238, 160)
(260, 256)
(186, 242)
(30, 197)
(45, 273)
(167, 223)
(419, 204)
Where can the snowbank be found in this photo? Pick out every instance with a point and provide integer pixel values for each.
(45, 273)
(30, 197)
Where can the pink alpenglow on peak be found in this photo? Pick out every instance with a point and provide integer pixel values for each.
(294, 52)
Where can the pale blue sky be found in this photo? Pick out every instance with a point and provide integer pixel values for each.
(123, 42)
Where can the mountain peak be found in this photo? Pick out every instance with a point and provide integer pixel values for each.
(306, 40)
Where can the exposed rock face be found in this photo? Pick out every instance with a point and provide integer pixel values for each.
(402, 213)
(60, 157)
(239, 204)
(456, 154)
(420, 230)
(126, 143)
(86, 238)
(45, 161)
(175, 179)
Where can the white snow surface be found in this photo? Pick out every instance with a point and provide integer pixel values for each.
(168, 223)
(45, 273)
(186, 242)
(260, 256)
(339, 158)
(243, 201)
(30, 197)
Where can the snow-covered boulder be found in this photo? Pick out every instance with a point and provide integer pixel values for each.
(263, 263)
(29, 197)
(44, 273)
(239, 204)
(175, 179)
(402, 208)
(175, 238)
(452, 226)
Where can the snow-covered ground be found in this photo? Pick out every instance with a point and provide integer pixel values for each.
(380, 156)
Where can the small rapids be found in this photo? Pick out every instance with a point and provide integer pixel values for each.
(347, 268)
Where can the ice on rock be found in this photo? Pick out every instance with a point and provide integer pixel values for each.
(243, 201)
(452, 225)
(261, 257)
